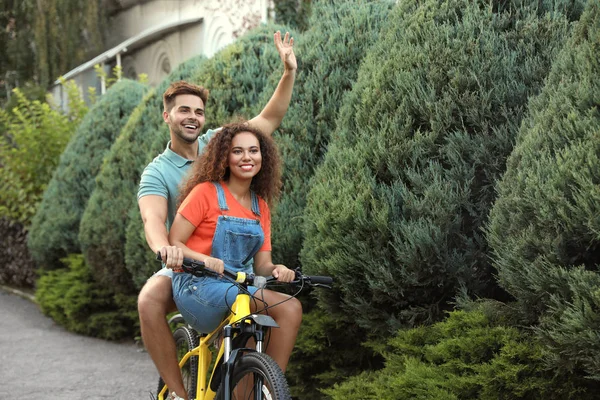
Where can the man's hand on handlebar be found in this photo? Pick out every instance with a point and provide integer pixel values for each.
(172, 257)
(283, 273)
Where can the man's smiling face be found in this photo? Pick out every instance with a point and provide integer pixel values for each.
(186, 118)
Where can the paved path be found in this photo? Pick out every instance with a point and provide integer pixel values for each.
(39, 359)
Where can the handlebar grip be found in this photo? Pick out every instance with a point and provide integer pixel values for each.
(320, 280)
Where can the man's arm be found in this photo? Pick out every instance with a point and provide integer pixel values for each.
(153, 209)
(271, 116)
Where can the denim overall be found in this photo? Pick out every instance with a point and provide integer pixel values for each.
(205, 301)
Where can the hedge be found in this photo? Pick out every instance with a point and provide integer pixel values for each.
(329, 55)
(396, 211)
(544, 228)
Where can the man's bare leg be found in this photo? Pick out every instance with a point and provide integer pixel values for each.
(155, 301)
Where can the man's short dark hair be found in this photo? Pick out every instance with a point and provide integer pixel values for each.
(182, 87)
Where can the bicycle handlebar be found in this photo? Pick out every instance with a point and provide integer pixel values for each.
(197, 268)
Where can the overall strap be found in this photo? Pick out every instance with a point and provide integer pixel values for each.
(255, 208)
(221, 197)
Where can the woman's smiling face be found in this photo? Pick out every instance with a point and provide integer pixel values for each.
(245, 158)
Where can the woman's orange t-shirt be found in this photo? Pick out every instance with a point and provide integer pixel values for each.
(201, 208)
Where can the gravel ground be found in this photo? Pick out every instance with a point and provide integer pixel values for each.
(39, 359)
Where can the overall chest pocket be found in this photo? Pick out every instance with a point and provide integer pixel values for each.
(240, 247)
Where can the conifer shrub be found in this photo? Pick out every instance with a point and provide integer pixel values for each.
(103, 224)
(396, 210)
(328, 350)
(329, 57)
(544, 226)
(73, 299)
(471, 355)
(55, 226)
(235, 77)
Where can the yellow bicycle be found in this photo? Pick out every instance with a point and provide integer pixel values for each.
(240, 370)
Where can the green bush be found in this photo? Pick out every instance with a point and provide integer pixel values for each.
(103, 223)
(544, 228)
(36, 134)
(329, 56)
(325, 354)
(72, 298)
(468, 356)
(55, 227)
(396, 210)
(235, 77)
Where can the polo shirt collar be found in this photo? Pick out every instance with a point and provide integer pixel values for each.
(176, 158)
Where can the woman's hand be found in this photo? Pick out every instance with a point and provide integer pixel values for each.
(283, 273)
(214, 264)
(285, 48)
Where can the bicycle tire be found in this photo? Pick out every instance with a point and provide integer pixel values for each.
(185, 340)
(274, 386)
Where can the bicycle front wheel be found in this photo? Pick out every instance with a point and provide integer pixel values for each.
(185, 340)
(257, 376)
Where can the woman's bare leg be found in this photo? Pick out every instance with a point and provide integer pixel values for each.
(288, 316)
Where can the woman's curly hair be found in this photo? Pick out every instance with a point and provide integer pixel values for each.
(213, 164)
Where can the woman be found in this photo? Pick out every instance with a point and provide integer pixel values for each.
(224, 221)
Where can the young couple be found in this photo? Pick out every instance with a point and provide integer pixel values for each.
(196, 198)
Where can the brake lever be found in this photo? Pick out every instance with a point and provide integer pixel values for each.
(321, 285)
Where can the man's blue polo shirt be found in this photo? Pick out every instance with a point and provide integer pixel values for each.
(164, 174)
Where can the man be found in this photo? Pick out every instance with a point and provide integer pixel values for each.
(184, 107)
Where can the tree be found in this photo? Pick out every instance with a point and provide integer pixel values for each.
(55, 227)
(544, 226)
(66, 33)
(17, 64)
(397, 208)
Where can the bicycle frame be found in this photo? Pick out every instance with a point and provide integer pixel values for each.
(240, 309)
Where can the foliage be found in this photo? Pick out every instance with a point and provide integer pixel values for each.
(17, 65)
(72, 298)
(17, 267)
(329, 56)
(326, 354)
(235, 77)
(104, 220)
(293, 13)
(66, 33)
(396, 210)
(468, 356)
(30, 148)
(55, 227)
(544, 228)
(117, 74)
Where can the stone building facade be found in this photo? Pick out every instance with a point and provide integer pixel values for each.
(154, 36)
